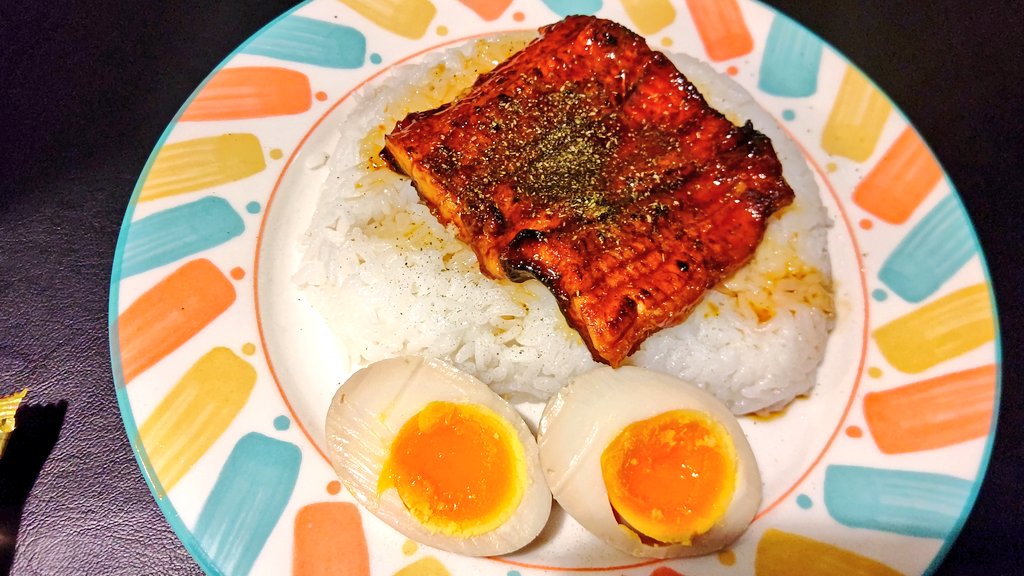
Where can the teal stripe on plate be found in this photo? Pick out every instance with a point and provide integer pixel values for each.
(931, 253)
(569, 7)
(904, 502)
(178, 232)
(792, 57)
(310, 41)
(250, 494)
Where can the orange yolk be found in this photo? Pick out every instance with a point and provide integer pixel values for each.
(458, 468)
(671, 477)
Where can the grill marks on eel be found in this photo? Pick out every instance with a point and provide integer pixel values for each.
(588, 161)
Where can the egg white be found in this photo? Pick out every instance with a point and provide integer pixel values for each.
(581, 420)
(368, 411)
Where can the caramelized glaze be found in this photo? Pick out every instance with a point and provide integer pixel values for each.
(589, 162)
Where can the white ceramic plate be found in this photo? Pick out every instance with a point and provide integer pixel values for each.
(224, 372)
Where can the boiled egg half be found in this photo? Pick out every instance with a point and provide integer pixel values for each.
(434, 453)
(648, 463)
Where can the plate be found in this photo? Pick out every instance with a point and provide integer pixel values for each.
(223, 372)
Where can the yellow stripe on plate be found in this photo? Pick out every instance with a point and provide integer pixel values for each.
(195, 413)
(201, 163)
(426, 566)
(408, 18)
(649, 16)
(939, 331)
(858, 115)
(783, 554)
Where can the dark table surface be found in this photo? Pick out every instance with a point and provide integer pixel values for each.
(88, 87)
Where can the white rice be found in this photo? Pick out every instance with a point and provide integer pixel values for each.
(390, 280)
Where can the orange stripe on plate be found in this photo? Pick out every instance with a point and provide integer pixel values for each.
(783, 554)
(408, 18)
(251, 92)
(721, 28)
(649, 16)
(944, 329)
(900, 181)
(857, 118)
(487, 9)
(171, 313)
(933, 413)
(195, 413)
(329, 541)
(197, 164)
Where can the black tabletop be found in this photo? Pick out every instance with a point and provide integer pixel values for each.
(87, 89)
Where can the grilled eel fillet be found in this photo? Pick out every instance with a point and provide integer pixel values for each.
(588, 161)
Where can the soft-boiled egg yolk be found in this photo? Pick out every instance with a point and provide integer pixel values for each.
(458, 468)
(671, 477)
(434, 453)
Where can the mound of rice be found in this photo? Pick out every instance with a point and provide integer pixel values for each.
(390, 280)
